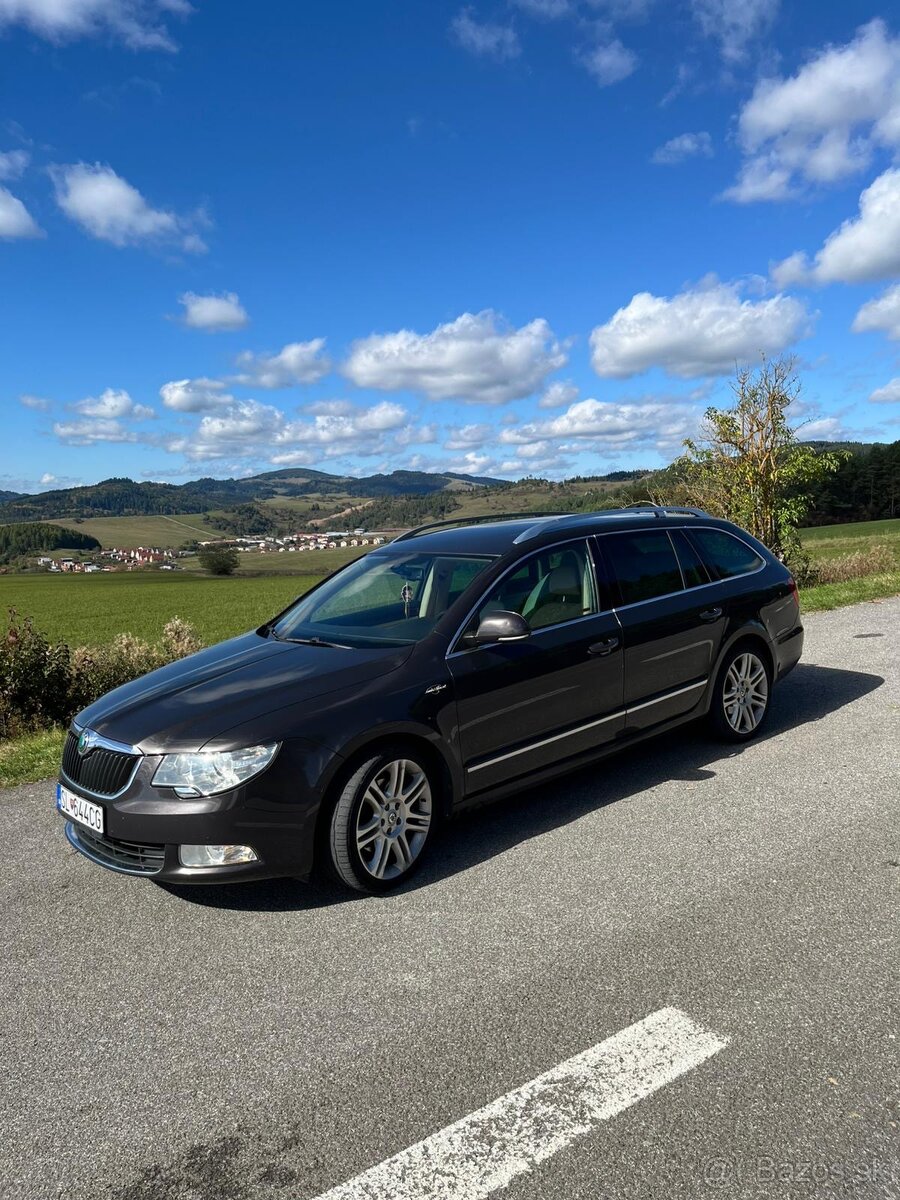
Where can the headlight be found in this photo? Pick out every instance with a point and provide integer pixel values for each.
(209, 772)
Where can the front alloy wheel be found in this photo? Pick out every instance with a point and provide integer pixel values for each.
(742, 699)
(382, 822)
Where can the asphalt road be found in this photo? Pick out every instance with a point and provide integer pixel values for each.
(276, 1040)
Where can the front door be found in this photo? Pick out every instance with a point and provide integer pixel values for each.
(524, 705)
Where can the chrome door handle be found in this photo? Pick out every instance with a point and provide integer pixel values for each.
(600, 649)
(710, 614)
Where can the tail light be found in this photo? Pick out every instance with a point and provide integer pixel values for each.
(795, 591)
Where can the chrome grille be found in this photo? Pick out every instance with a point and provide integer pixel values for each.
(132, 858)
(101, 771)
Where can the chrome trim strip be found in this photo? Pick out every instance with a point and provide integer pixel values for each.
(601, 537)
(622, 712)
(692, 687)
(72, 836)
(106, 744)
(546, 741)
(697, 587)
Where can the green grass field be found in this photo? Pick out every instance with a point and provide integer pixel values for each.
(826, 542)
(142, 531)
(879, 530)
(93, 609)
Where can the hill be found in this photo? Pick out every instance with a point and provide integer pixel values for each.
(125, 498)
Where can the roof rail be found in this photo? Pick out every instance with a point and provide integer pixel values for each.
(483, 520)
(637, 510)
(663, 510)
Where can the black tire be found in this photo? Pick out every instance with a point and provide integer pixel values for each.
(375, 846)
(742, 694)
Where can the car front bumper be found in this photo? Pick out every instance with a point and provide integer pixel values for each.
(143, 828)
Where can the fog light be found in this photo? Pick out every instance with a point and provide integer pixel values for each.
(215, 856)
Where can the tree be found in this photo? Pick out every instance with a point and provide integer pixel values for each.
(219, 560)
(747, 464)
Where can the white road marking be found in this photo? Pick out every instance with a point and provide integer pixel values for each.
(487, 1149)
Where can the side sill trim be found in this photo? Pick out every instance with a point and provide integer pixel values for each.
(622, 712)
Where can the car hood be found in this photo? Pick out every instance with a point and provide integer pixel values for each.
(185, 704)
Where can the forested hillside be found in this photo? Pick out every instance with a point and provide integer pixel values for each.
(127, 498)
(865, 487)
(18, 540)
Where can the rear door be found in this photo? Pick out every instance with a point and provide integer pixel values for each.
(672, 622)
(524, 705)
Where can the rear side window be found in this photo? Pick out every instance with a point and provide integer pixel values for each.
(692, 568)
(644, 565)
(726, 555)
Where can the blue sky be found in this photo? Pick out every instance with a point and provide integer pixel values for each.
(514, 237)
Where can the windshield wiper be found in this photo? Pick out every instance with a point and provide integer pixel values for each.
(314, 641)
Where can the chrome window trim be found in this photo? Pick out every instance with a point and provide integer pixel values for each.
(453, 652)
(697, 586)
(556, 737)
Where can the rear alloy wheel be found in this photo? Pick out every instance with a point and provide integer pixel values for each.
(382, 822)
(741, 700)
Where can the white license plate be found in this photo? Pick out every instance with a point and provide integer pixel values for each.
(76, 808)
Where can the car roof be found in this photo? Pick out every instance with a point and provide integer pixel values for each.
(498, 535)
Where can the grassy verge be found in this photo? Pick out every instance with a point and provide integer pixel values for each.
(852, 591)
(30, 757)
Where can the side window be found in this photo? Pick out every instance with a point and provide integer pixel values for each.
(692, 568)
(550, 587)
(464, 571)
(644, 565)
(726, 555)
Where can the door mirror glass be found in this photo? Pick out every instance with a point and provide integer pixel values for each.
(501, 626)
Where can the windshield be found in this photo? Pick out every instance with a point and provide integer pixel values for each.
(385, 599)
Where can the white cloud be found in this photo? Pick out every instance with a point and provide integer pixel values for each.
(484, 38)
(609, 62)
(881, 314)
(15, 219)
(558, 394)
(889, 394)
(13, 162)
(241, 430)
(546, 10)
(686, 145)
(469, 436)
(213, 313)
(734, 24)
(298, 362)
(113, 404)
(248, 429)
(864, 249)
(598, 427)
(821, 124)
(140, 24)
(37, 403)
(108, 207)
(701, 331)
(824, 429)
(87, 433)
(194, 395)
(476, 358)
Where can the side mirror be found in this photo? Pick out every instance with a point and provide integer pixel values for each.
(501, 626)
